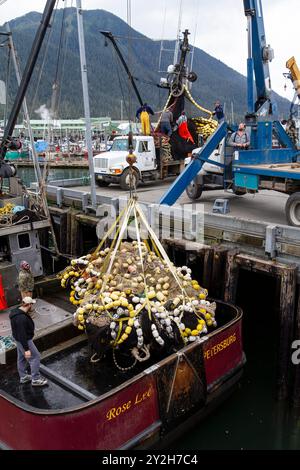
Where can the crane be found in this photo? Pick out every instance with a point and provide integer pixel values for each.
(262, 120)
(110, 36)
(294, 74)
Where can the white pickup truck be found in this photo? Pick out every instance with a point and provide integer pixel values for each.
(111, 167)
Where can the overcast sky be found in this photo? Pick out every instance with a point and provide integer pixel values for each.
(220, 25)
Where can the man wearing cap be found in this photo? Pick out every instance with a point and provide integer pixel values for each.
(26, 280)
(22, 327)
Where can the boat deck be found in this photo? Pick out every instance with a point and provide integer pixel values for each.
(72, 379)
(46, 315)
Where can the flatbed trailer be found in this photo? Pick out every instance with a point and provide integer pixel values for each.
(281, 177)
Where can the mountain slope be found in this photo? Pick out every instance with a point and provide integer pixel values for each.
(108, 83)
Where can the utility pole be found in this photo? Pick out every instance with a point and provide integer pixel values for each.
(86, 101)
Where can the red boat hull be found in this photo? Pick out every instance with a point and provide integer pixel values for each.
(159, 399)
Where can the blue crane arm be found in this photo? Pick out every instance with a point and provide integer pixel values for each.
(258, 51)
(195, 165)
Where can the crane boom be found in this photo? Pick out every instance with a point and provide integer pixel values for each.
(109, 35)
(259, 56)
(294, 74)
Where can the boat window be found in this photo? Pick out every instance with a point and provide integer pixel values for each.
(121, 144)
(24, 241)
(143, 146)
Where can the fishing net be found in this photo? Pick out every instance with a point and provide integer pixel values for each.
(129, 296)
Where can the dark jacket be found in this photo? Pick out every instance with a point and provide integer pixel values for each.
(22, 327)
(144, 108)
(219, 112)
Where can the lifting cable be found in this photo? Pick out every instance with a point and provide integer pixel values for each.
(129, 64)
(117, 64)
(67, 36)
(191, 99)
(41, 68)
(7, 77)
(56, 83)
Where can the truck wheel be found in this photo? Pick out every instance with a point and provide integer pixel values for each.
(102, 184)
(129, 180)
(292, 210)
(194, 190)
(239, 191)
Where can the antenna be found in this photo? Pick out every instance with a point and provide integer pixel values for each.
(175, 60)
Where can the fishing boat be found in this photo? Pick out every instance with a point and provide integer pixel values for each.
(95, 406)
(93, 400)
(90, 404)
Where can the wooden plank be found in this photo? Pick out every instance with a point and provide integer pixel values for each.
(288, 279)
(295, 367)
(218, 272)
(231, 277)
(287, 308)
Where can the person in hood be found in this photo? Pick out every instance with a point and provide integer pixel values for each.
(183, 129)
(22, 327)
(26, 280)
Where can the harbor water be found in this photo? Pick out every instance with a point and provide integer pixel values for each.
(27, 175)
(252, 418)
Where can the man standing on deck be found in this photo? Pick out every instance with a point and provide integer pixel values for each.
(22, 327)
(26, 280)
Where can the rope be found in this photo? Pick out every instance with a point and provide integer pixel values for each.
(6, 83)
(189, 96)
(124, 369)
(120, 236)
(135, 352)
(141, 257)
(47, 43)
(93, 360)
(67, 36)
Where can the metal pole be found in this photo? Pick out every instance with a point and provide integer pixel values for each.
(86, 102)
(25, 107)
(37, 44)
(250, 69)
(176, 51)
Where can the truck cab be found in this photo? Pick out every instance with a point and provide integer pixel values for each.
(112, 167)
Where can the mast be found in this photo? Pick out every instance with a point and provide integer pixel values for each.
(36, 47)
(25, 107)
(86, 102)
